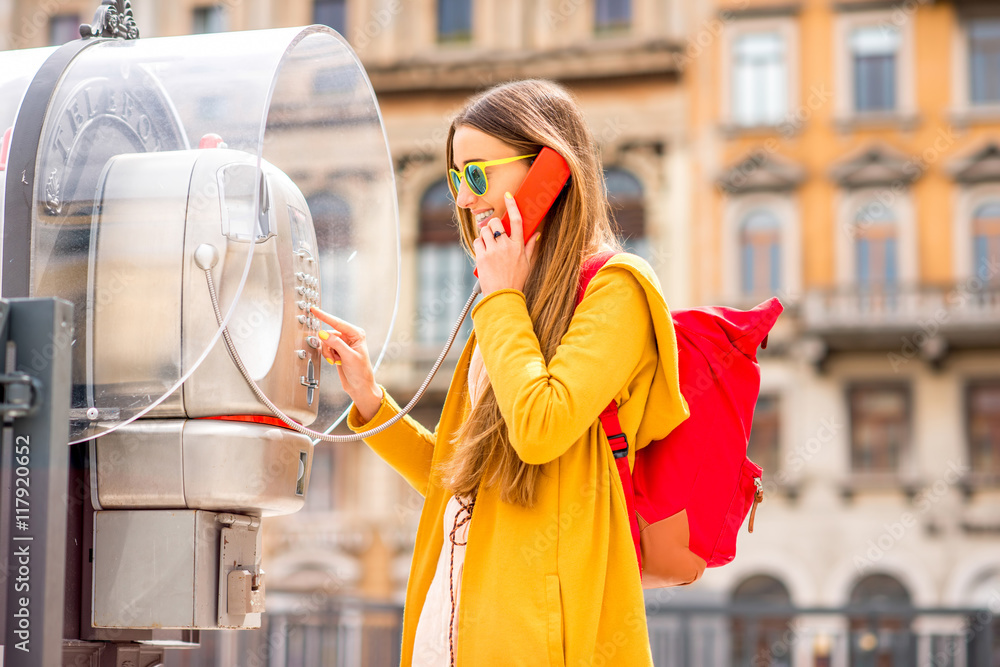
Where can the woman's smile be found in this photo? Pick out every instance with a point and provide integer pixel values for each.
(484, 217)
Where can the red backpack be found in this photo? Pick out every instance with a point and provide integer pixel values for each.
(690, 492)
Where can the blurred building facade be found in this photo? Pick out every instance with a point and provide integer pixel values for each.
(842, 155)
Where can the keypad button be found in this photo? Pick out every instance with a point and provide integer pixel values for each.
(302, 276)
(303, 319)
(301, 354)
(302, 305)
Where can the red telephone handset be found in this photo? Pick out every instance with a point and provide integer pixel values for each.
(542, 184)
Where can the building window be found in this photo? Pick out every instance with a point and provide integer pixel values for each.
(628, 210)
(454, 20)
(209, 19)
(881, 637)
(874, 51)
(331, 13)
(765, 435)
(760, 80)
(319, 495)
(445, 277)
(880, 427)
(63, 28)
(875, 247)
(760, 253)
(984, 60)
(612, 15)
(332, 218)
(983, 427)
(986, 241)
(755, 636)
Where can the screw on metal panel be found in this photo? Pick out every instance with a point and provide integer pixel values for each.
(92, 413)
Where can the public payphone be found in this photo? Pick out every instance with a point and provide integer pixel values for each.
(162, 186)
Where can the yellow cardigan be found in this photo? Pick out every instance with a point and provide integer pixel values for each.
(556, 584)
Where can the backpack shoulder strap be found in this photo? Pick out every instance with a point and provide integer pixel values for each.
(609, 416)
(589, 269)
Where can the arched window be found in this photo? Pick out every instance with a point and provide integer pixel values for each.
(628, 210)
(320, 494)
(332, 219)
(755, 632)
(986, 241)
(760, 252)
(880, 634)
(876, 261)
(444, 269)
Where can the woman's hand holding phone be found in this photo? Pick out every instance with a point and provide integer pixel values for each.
(503, 261)
(346, 347)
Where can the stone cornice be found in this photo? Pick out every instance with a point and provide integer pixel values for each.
(982, 166)
(476, 70)
(876, 166)
(761, 172)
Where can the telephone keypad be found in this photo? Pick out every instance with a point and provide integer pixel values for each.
(307, 290)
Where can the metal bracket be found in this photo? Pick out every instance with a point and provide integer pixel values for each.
(241, 579)
(94, 414)
(113, 18)
(22, 395)
(251, 522)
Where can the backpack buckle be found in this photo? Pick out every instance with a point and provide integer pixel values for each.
(623, 451)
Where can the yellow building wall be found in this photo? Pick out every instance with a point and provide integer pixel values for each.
(819, 144)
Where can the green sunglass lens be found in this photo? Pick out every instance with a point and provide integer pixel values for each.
(476, 178)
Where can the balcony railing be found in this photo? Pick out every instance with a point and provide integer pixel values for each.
(955, 305)
(960, 315)
(365, 634)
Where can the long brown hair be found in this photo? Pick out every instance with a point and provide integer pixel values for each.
(528, 115)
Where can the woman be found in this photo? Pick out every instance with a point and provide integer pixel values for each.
(523, 554)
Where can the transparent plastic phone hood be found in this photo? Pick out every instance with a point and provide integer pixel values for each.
(258, 155)
(17, 68)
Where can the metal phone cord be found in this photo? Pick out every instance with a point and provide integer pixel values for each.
(206, 266)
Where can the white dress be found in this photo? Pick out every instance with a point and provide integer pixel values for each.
(431, 646)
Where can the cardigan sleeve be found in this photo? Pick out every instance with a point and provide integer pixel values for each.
(406, 445)
(548, 407)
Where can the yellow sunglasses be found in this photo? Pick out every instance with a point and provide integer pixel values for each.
(475, 174)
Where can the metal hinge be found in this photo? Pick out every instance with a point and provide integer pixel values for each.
(22, 395)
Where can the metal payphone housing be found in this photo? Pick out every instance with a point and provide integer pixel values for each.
(131, 157)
